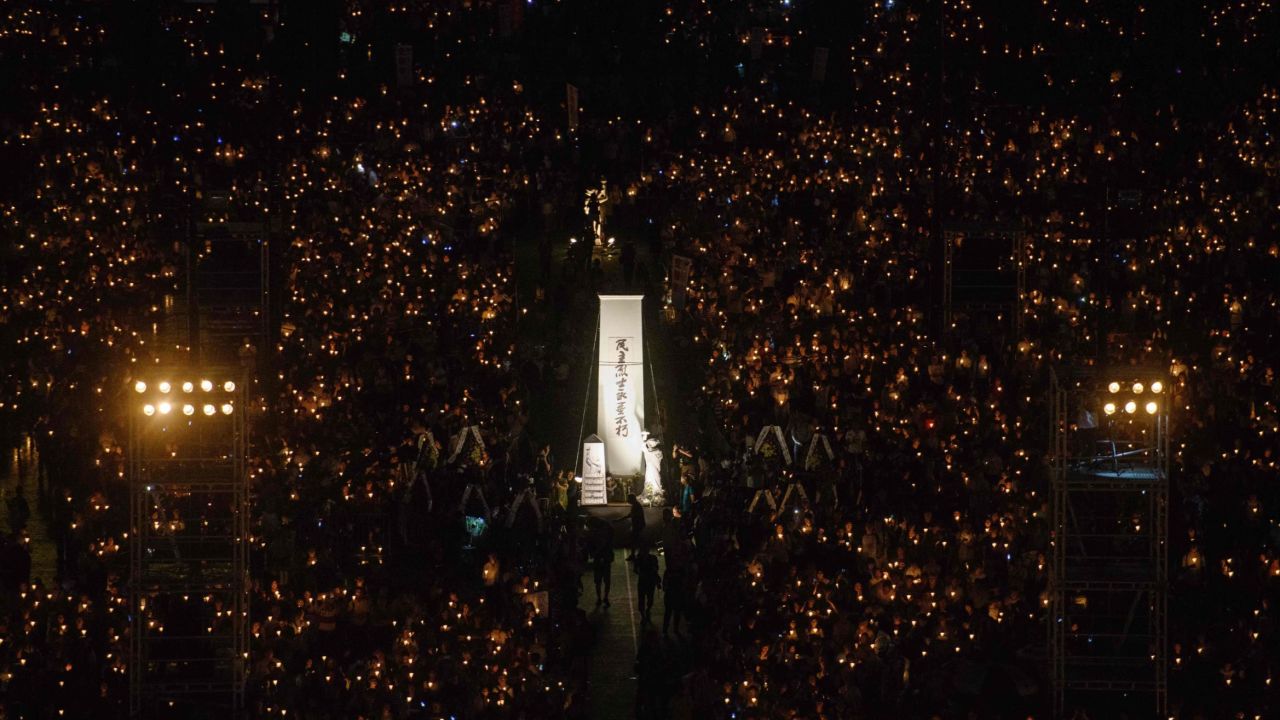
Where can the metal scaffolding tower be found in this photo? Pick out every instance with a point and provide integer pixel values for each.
(1109, 459)
(188, 542)
(228, 283)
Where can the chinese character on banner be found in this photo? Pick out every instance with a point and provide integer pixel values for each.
(620, 412)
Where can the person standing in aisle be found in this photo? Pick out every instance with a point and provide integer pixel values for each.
(637, 523)
(602, 564)
(646, 566)
(674, 589)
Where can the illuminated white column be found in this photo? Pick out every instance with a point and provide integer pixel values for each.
(620, 408)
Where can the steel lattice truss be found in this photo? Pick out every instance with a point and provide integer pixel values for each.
(1107, 626)
(189, 541)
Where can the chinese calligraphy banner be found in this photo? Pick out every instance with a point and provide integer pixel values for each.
(620, 408)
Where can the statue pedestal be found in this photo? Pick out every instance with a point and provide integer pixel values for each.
(620, 487)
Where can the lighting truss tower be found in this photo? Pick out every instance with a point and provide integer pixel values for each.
(1109, 529)
(188, 542)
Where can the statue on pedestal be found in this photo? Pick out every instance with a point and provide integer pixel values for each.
(652, 494)
(598, 198)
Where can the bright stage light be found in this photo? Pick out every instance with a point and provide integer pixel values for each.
(1114, 387)
(164, 386)
(140, 386)
(1131, 407)
(206, 385)
(1137, 388)
(164, 408)
(1151, 408)
(188, 410)
(226, 408)
(148, 409)
(1157, 387)
(229, 386)
(188, 387)
(209, 409)
(1109, 408)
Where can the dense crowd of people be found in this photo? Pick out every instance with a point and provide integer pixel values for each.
(432, 267)
(914, 574)
(397, 328)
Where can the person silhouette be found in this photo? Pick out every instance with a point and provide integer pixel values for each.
(648, 580)
(637, 522)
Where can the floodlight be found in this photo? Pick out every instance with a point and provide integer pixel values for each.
(1114, 387)
(164, 408)
(229, 386)
(1157, 387)
(1138, 388)
(188, 410)
(188, 387)
(140, 386)
(206, 385)
(1109, 408)
(1151, 408)
(1131, 407)
(164, 386)
(148, 409)
(226, 408)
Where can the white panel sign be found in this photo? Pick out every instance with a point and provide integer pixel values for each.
(593, 472)
(620, 412)
(768, 432)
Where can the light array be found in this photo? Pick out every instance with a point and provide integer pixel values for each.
(188, 397)
(187, 386)
(1133, 400)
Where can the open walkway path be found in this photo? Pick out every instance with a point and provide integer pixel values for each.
(21, 470)
(618, 629)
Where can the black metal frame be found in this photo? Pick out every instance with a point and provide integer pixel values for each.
(1108, 592)
(197, 460)
(202, 285)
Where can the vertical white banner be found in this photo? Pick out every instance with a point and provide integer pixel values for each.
(620, 408)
